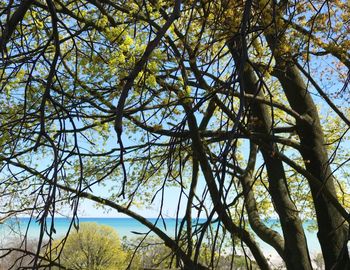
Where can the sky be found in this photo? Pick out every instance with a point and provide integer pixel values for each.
(88, 208)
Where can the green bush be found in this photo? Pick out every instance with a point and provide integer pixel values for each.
(92, 247)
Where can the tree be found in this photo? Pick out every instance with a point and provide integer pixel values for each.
(240, 105)
(151, 253)
(92, 247)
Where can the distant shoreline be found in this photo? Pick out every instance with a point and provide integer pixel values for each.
(129, 227)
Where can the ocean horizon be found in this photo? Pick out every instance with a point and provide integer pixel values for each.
(125, 227)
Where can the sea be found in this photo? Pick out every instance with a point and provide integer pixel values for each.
(126, 227)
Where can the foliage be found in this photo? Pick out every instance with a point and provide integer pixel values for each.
(92, 247)
(239, 108)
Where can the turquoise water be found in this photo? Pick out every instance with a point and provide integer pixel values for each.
(125, 227)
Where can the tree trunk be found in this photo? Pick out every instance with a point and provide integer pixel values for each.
(296, 253)
(332, 230)
(265, 233)
(219, 206)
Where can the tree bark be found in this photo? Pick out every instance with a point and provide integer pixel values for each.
(219, 206)
(296, 252)
(267, 234)
(332, 229)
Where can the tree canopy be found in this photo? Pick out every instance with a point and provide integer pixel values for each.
(239, 106)
(92, 247)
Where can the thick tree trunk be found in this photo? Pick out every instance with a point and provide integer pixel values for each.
(332, 230)
(296, 253)
(267, 234)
